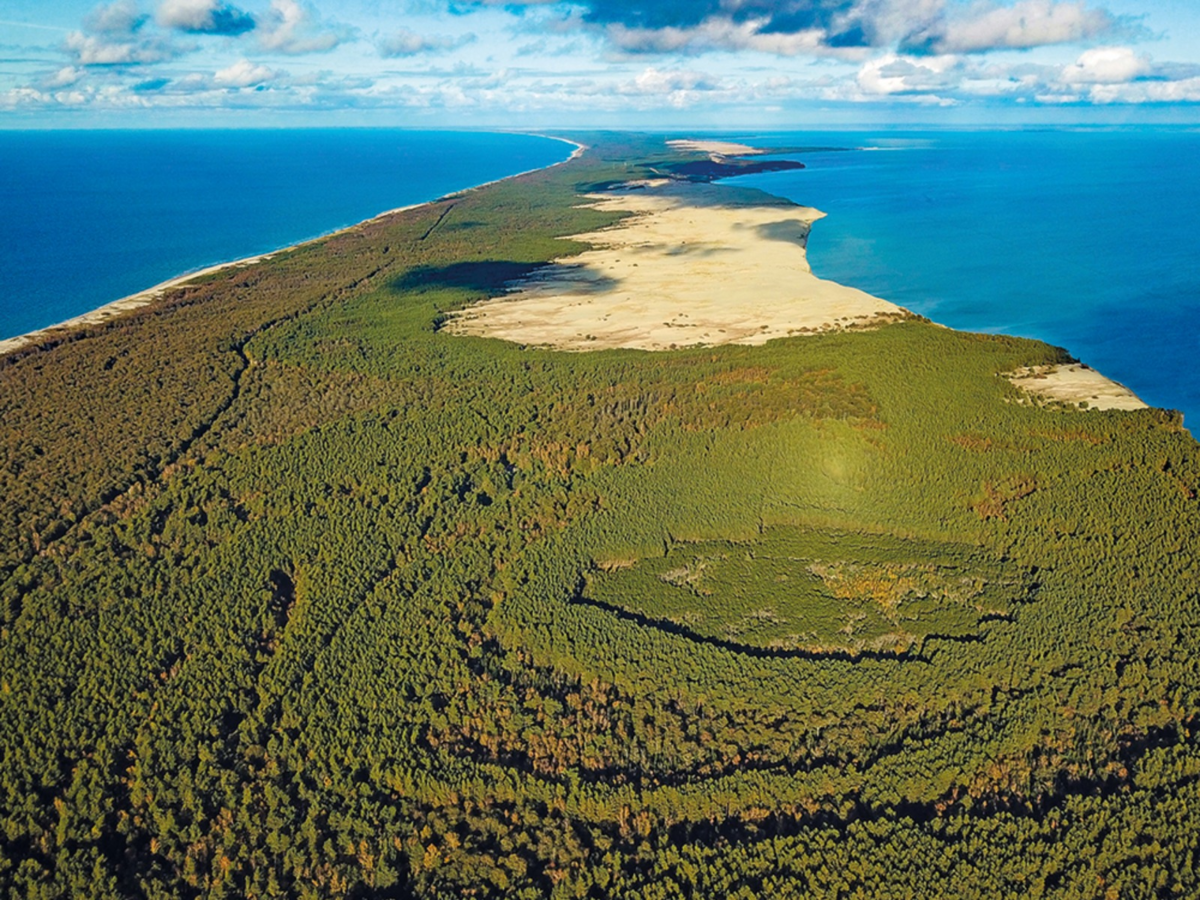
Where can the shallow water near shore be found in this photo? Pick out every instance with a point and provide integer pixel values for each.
(1086, 240)
(93, 216)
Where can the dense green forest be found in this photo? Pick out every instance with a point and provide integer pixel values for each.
(301, 596)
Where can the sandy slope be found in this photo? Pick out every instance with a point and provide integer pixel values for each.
(1075, 384)
(684, 269)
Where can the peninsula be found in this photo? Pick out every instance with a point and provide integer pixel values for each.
(345, 572)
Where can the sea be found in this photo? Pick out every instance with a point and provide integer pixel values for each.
(88, 217)
(1086, 239)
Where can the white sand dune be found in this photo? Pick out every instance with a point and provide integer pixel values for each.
(719, 148)
(686, 268)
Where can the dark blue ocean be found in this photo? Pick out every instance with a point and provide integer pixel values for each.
(87, 217)
(1086, 240)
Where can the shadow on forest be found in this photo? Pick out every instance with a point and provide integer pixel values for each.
(484, 276)
(913, 654)
(495, 277)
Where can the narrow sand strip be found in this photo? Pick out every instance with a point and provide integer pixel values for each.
(119, 307)
(1075, 384)
(143, 298)
(685, 269)
(720, 148)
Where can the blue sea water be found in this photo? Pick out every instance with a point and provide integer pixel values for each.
(87, 217)
(1086, 240)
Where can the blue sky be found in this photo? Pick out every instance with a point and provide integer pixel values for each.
(607, 63)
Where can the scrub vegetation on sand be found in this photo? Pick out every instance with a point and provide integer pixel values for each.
(302, 596)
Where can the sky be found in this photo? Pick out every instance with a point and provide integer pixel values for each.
(669, 64)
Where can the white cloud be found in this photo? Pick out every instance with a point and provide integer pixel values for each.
(409, 43)
(1186, 90)
(64, 77)
(292, 28)
(119, 18)
(100, 50)
(244, 73)
(1026, 24)
(204, 17)
(1106, 65)
(891, 21)
(718, 34)
(113, 36)
(891, 74)
(657, 81)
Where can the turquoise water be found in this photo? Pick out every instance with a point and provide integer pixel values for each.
(1085, 240)
(92, 216)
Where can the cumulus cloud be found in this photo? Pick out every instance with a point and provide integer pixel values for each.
(1026, 24)
(1106, 65)
(786, 27)
(204, 17)
(657, 81)
(113, 36)
(242, 74)
(1186, 90)
(64, 77)
(118, 18)
(292, 28)
(893, 75)
(715, 34)
(409, 43)
(836, 27)
(1101, 75)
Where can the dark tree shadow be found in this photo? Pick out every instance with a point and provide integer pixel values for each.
(495, 277)
(483, 276)
(574, 277)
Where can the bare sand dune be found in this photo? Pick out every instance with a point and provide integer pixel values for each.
(1075, 384)
(684, 269)
(720, 148)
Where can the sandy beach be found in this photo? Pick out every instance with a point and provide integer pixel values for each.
(145, 297)
(684, 269)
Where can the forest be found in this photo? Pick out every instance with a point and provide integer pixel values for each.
(302, 596)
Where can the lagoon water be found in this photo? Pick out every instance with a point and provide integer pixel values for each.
(1086, 240)
(93, 216)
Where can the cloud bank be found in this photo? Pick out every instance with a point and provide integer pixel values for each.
(584, 57)
(839, 27)
(204, 17)
(408, 43)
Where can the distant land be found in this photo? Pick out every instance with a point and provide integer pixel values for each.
(569, 536)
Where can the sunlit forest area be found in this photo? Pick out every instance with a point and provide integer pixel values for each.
(302, 596)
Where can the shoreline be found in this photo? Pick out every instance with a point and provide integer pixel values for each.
(1091, 390)
(116, 308)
